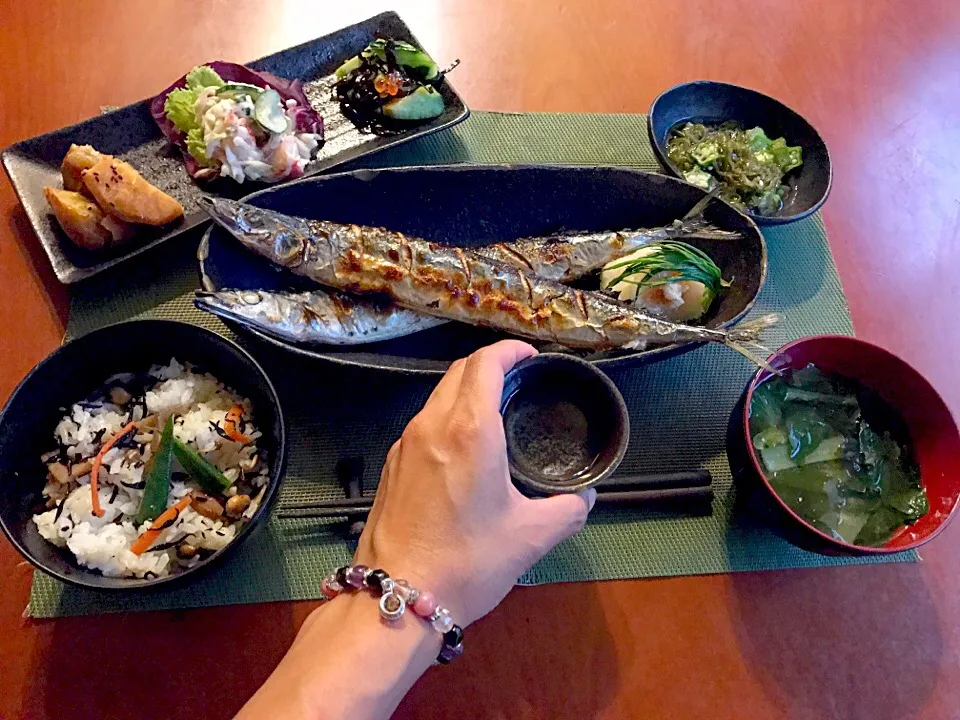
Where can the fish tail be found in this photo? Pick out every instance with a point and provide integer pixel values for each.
(749, 331)
(744, 339)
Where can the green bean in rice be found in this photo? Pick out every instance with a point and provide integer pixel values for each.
(199, 404)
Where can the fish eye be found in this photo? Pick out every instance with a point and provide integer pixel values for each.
(250, 297)
(288, 246)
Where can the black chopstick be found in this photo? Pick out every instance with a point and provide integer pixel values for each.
(674, 488)
(649, 481)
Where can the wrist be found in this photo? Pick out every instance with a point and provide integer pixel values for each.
(346, 662)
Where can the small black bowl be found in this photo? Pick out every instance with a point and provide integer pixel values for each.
(78, 368)
(712, 103)
(566, 424)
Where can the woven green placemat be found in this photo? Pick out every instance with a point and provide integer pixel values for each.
(679, 408)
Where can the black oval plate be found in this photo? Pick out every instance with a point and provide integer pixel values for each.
(470, 205)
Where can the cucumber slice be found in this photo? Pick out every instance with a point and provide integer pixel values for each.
(406, 54)
(235, 90)
(348, 67)
(423, 103)
(268, 112)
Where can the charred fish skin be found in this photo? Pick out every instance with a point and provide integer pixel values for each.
(316, 317)
(567, 257)
(454, 283)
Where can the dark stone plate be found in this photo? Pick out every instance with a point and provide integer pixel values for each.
(470, 206)
(712, 103)
(131, 134)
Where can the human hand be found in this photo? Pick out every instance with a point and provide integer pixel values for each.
(447, 516)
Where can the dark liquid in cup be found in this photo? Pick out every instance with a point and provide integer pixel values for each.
(554, 439)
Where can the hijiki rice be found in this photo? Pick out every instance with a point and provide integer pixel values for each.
(206, 418)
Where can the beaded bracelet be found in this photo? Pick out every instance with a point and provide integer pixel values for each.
(395, 596)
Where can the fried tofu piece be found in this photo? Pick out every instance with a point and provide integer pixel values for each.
(84, 222)
(78, 159)
(123, 193)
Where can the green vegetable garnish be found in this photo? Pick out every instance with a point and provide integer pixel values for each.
(158, 473)
(268, 111)
(423, 103)
(203, 76)
(680, 260)
(196, 466)
(239, 89)
(179, 109)
(406, 54)
(748, 166)
(178, 106)
(197, 147)
(837, 455)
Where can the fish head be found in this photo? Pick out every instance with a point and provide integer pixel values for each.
(239, 305)
(278, 237)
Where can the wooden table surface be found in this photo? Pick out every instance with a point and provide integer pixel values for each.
(879, 78)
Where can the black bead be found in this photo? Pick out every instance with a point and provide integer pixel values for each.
(375, 579)
(342, 577)
(453, 636)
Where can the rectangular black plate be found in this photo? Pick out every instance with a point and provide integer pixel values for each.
(131, 134)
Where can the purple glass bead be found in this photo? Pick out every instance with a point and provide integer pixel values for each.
(355, 575)
(448, 654)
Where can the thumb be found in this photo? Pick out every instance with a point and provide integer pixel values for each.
(551, 520)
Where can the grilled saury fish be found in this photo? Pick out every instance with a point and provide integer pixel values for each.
(317, 316)
(455, 283)
(331, 318)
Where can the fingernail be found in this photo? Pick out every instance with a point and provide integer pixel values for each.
(591, 498)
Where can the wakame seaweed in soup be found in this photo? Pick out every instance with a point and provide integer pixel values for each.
(838, 455)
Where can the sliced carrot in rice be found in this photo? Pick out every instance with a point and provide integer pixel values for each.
(231, 425)
(95, 468)
(164, 520)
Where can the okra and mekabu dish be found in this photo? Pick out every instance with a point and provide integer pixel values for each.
(152, 473)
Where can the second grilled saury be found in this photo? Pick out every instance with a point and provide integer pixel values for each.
(329, 317)
(454, 283)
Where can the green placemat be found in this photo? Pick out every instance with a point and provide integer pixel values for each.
(679, 408)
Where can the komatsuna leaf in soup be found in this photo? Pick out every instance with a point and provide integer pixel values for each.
(837, 455)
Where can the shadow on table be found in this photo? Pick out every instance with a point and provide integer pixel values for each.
(523, 661)
(840, 643)
(843, 643)
(175, 665)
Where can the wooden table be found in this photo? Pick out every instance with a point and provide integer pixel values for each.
(880, 78)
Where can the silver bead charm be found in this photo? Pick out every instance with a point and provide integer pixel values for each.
(392, 606)
(387, 586)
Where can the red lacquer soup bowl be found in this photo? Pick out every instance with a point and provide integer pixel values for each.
(932, 428)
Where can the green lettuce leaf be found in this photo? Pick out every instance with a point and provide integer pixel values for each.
(179, 109)
(201, 77)
(197, 147)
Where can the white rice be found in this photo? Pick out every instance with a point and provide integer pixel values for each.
(197, 400)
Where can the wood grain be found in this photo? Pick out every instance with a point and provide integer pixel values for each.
(880, 79)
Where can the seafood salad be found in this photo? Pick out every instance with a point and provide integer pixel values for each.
(152, 473)
(233, 122)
